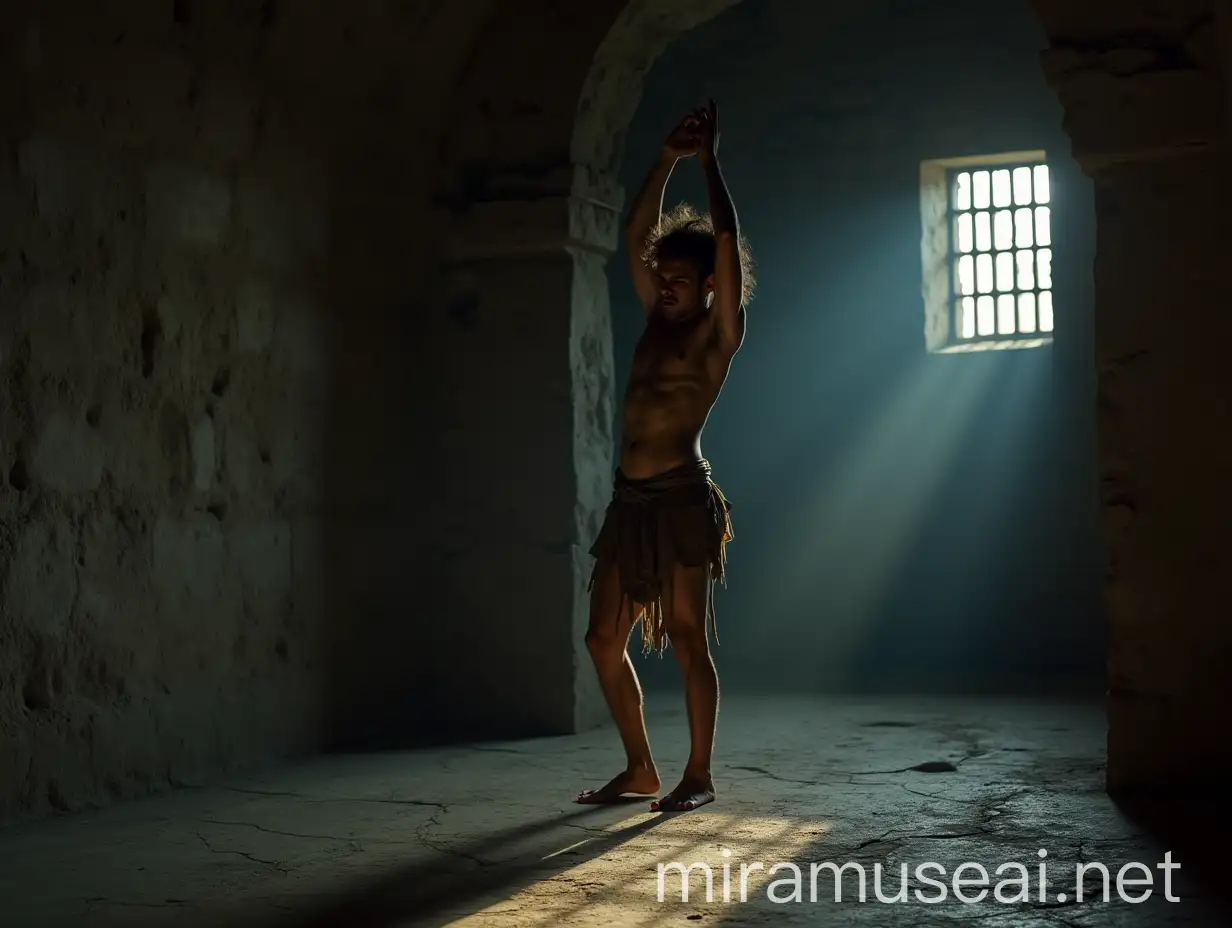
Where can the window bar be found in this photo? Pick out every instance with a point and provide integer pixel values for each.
(1007, 305)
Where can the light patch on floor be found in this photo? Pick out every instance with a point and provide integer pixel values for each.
(601, 890)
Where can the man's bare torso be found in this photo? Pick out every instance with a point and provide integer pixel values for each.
(678, 372)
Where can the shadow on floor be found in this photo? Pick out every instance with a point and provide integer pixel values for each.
(1196, 829)
(463, 881)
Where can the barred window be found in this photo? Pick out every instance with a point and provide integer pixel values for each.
(987, 251)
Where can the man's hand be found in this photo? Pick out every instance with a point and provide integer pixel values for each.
(686, 139)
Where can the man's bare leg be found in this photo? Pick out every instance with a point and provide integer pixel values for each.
(691, 645)
(607, 639)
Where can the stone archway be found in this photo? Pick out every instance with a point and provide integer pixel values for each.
(533, 210)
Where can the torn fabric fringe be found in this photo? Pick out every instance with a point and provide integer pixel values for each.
(677, 517)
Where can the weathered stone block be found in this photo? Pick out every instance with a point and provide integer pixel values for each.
(308, 570)
(42, 161)
(228, 115)
(15, 761)
(203, 453)
(299, 338)
(69, 455)
(254, 315)
(188, 556)
(502, 228)
(295, 451)
(546, 310)
(1163, 374)
(1095, 22)
(40, 586)
(280, 228)
(1143, 116)
(262, 552)
(187, 204)
(242, 458)
(173, 310)
(59, 330)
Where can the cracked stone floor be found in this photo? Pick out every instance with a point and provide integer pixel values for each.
(487, 835)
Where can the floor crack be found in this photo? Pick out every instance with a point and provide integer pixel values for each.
(256, 860)
(773, 776)
(274, 831)
(91, 901)
(421, 833)
(302, 798)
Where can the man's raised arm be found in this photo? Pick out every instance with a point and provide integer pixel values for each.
(647, 207)
(728, 271)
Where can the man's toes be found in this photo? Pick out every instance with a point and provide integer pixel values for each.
(683, 803)
(700, 799)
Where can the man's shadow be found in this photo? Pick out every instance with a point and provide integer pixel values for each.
(463, 879)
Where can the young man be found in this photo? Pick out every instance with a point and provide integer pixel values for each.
(663, 540)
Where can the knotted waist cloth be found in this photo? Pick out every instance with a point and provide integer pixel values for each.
(678, 517)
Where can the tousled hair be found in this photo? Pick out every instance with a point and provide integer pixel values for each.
(683, 234)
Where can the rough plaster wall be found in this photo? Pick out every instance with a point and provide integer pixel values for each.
(202, 203)
(172, 231)
(977, 566)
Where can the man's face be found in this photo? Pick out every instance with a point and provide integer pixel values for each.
(681, 294)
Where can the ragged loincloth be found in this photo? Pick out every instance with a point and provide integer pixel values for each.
(653, 524)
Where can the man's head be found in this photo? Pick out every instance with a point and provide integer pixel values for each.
(680, 251)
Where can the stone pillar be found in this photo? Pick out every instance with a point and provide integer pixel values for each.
(1145, 124)
(524, 441)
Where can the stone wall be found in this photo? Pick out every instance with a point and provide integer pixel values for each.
(1143, 92)
(1144, 88)
(213, 246)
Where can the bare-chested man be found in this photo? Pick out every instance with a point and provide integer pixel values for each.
(662, 544)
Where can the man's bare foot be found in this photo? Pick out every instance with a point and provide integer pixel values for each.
(692, 793)
(633, 781)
